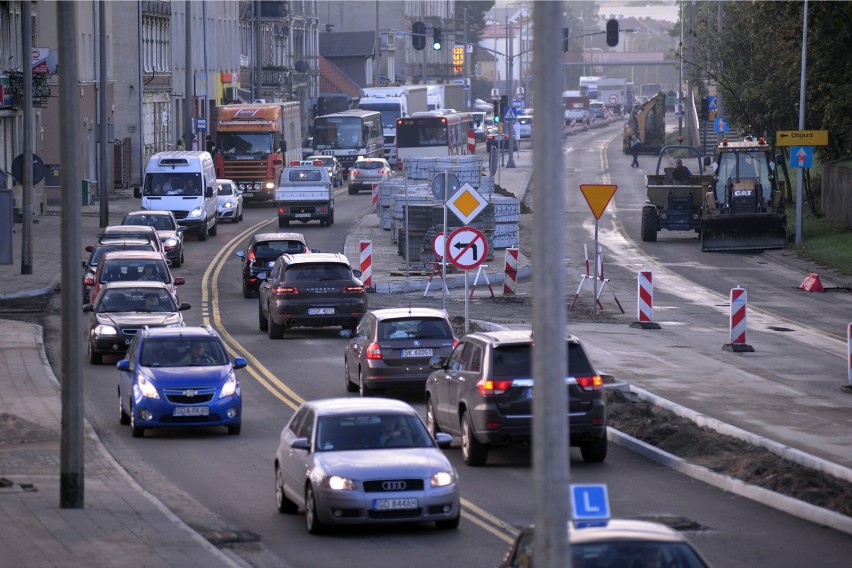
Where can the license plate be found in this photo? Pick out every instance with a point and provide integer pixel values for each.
(391, 504)
(127, 341)
(301, 215)
(528, 392)
(270, 263)
(415, 353)
(191, 411)
(320, 311)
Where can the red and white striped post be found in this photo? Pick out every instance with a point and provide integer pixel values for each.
(510, 277)
(849, 343)
(739, 322)
(375, 194)
(367, 263)
(645, 303)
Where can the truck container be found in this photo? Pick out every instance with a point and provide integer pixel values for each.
(393, 103)
(613, 94)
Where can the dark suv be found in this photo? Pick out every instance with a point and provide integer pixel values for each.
(484, 392)
(263, 249)
(310, 290)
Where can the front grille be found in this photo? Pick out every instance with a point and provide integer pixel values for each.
(375, 486)
(130, 331)
(180, 214)
(201, 395)
(244, 170)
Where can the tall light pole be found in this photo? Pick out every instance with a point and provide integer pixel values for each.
(799, 198)
(187, 78)
(27, 162)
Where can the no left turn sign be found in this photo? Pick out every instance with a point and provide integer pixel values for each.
(466, 248)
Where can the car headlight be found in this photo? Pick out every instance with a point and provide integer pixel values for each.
(228, 204)
(170, 242)
(443, 478)
(146, 388)
(105, 330)
(195, 212)
(230, 386)
(338, 483)
(270, 185)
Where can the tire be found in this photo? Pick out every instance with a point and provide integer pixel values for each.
(178, 261)
(331, 218)
(282, 222)
(311, 520)
(283, 504)
(235, 429)
(274, 331)
(94, 357)
(594, 451)
(123, 417)
(247, 291)
(431, 421)
(449, 524)
(202, 233)
(262, 322)
(323, 222)
(215, 228)
(474, 452)
(135, 431)
(351, 191)
(363, 390)
(650, 221)
(350, 386)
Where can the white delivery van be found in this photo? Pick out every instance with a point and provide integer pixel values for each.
(185, 184)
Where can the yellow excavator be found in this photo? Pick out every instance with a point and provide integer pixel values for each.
(648, 121)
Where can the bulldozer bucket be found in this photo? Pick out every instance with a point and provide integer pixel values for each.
(751, 232)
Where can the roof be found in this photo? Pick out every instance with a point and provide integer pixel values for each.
(347, 405)
(347, 44)
(127, 230)
(188, 331)
(162, 212)
(136, 284)
(393, 313)
(509, 336)
(279, 237)
(623, 529)
(134, 255)
(333, 80)
(315, 258)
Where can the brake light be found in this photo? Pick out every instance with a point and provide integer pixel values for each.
(490, 387)
(284, 290)
(251, 256)
(317, 162)
(592, 383)
(353, 172)
(353, 290)
(455, 342)
(294, 163)
(374, 351)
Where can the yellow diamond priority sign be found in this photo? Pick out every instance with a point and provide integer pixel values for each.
(598, 197)
(466, 203)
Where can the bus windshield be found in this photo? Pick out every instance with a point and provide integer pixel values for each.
(337, 132)
(421, 133)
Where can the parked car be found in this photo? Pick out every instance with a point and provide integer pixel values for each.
(263, 249)
(168, 231)
(484, 392)
(96, 253)
(597, 109)
(525, 125)
(230, 201)
(179, 376)
(131, 266)
(357, 461)
(618, 542)
(310, 290)
(122, 309)
(122, 232)
(366, 172)
(335, 172)
(392, 348)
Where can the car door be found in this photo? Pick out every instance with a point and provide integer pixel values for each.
(357, 347)
(295, 462)
(125, 378)
(446, 390)
(265, 286)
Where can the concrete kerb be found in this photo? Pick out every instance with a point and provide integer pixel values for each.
(452, 282)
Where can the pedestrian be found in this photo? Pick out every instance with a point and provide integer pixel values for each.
(516, 127)
(179, 145)
(634, 144)
(211, 145)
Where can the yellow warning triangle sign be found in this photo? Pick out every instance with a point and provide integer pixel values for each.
(598, 197)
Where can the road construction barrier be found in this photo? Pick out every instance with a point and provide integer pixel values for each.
(588, 280)
(739, 321)
(511, 272)
(367, 263)
(375, 193)
(481, 272)
(645, 303)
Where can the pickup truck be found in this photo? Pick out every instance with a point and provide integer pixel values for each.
(304, 193)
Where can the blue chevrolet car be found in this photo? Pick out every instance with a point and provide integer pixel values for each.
(174, 377)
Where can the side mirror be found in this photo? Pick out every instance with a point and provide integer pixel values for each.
(707, 161)
(184, 306)
(240, 253)
(436, 363)
(240, 362)
(89, 281)
(315, 250)
(123, 365)
(85, 263)
(179, 281)
(137, 192)
(301, 444)
(346, 333)
(88, 308)
(357, 273)
(208, 192)
(443, 439)
(182, 229)
(89, 248)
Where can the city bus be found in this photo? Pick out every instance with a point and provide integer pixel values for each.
(428, 134)
(349, 134)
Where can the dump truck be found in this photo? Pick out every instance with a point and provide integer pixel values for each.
(675, 202)
(745, 211)
(648, 121)
(304, 193)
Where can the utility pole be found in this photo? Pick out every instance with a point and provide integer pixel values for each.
(27, 160)
(680, 82)
(187, 79)
(71, 455)
(551, 464)
(103, 131)
(511, 89)
(378, 58)
(799, 174)
(258, 51)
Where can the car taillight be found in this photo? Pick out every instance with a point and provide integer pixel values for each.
(384, 171)
(374, 351)
(353, 172)
(490, 387)
(455, 342)
(284, 290)
(353, 290)
(592, 383)
(251, 256)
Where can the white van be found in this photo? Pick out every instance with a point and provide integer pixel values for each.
(185, 184)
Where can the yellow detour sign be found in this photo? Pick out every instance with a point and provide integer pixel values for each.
(598, 197)
(801, 138)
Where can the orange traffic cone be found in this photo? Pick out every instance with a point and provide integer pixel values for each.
(812, 284)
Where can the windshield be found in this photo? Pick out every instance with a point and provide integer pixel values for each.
(172, 184)
(183, 353)
(371, 431)
(390, 112)
(744, 166)
(516, 361)
(337, 132)
(225, 189)
(136, 300)
(245, 142)
(159, 222)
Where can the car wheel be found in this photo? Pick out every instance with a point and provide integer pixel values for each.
(431, 421)
(262, 323)
(123, 417)
(283, 223)
(177, 262)
(94, 357)
(202, 232)
(215, 228)
(594, 451)
(363, 389)
(281, 501)
(449, 524)
(274, 330)
(474, 452)
(351, 191)
(135, 431)
(350, 386)
(235, 429)
(311, 520)
(247, 292)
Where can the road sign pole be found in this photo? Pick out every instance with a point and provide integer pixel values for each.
(407, 249)
(595, 277)
(444, 256)
(466, 305)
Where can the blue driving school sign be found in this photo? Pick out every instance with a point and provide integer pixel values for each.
(589, 504)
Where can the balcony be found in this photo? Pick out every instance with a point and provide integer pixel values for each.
(274, 76)
(12, 87)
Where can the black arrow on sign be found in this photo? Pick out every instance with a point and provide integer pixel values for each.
(460, 246)
(784, 136)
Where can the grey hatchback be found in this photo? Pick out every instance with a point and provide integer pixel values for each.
(484, 394)
(392, 348)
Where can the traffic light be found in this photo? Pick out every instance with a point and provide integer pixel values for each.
(436, 39)
(418, 35)
(705, 109)
(565, 33)
(496, 105)
(612, 33)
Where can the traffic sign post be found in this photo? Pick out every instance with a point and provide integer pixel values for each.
(598, 197)
(466, 248)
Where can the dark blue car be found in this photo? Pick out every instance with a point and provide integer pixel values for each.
(175, 377)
